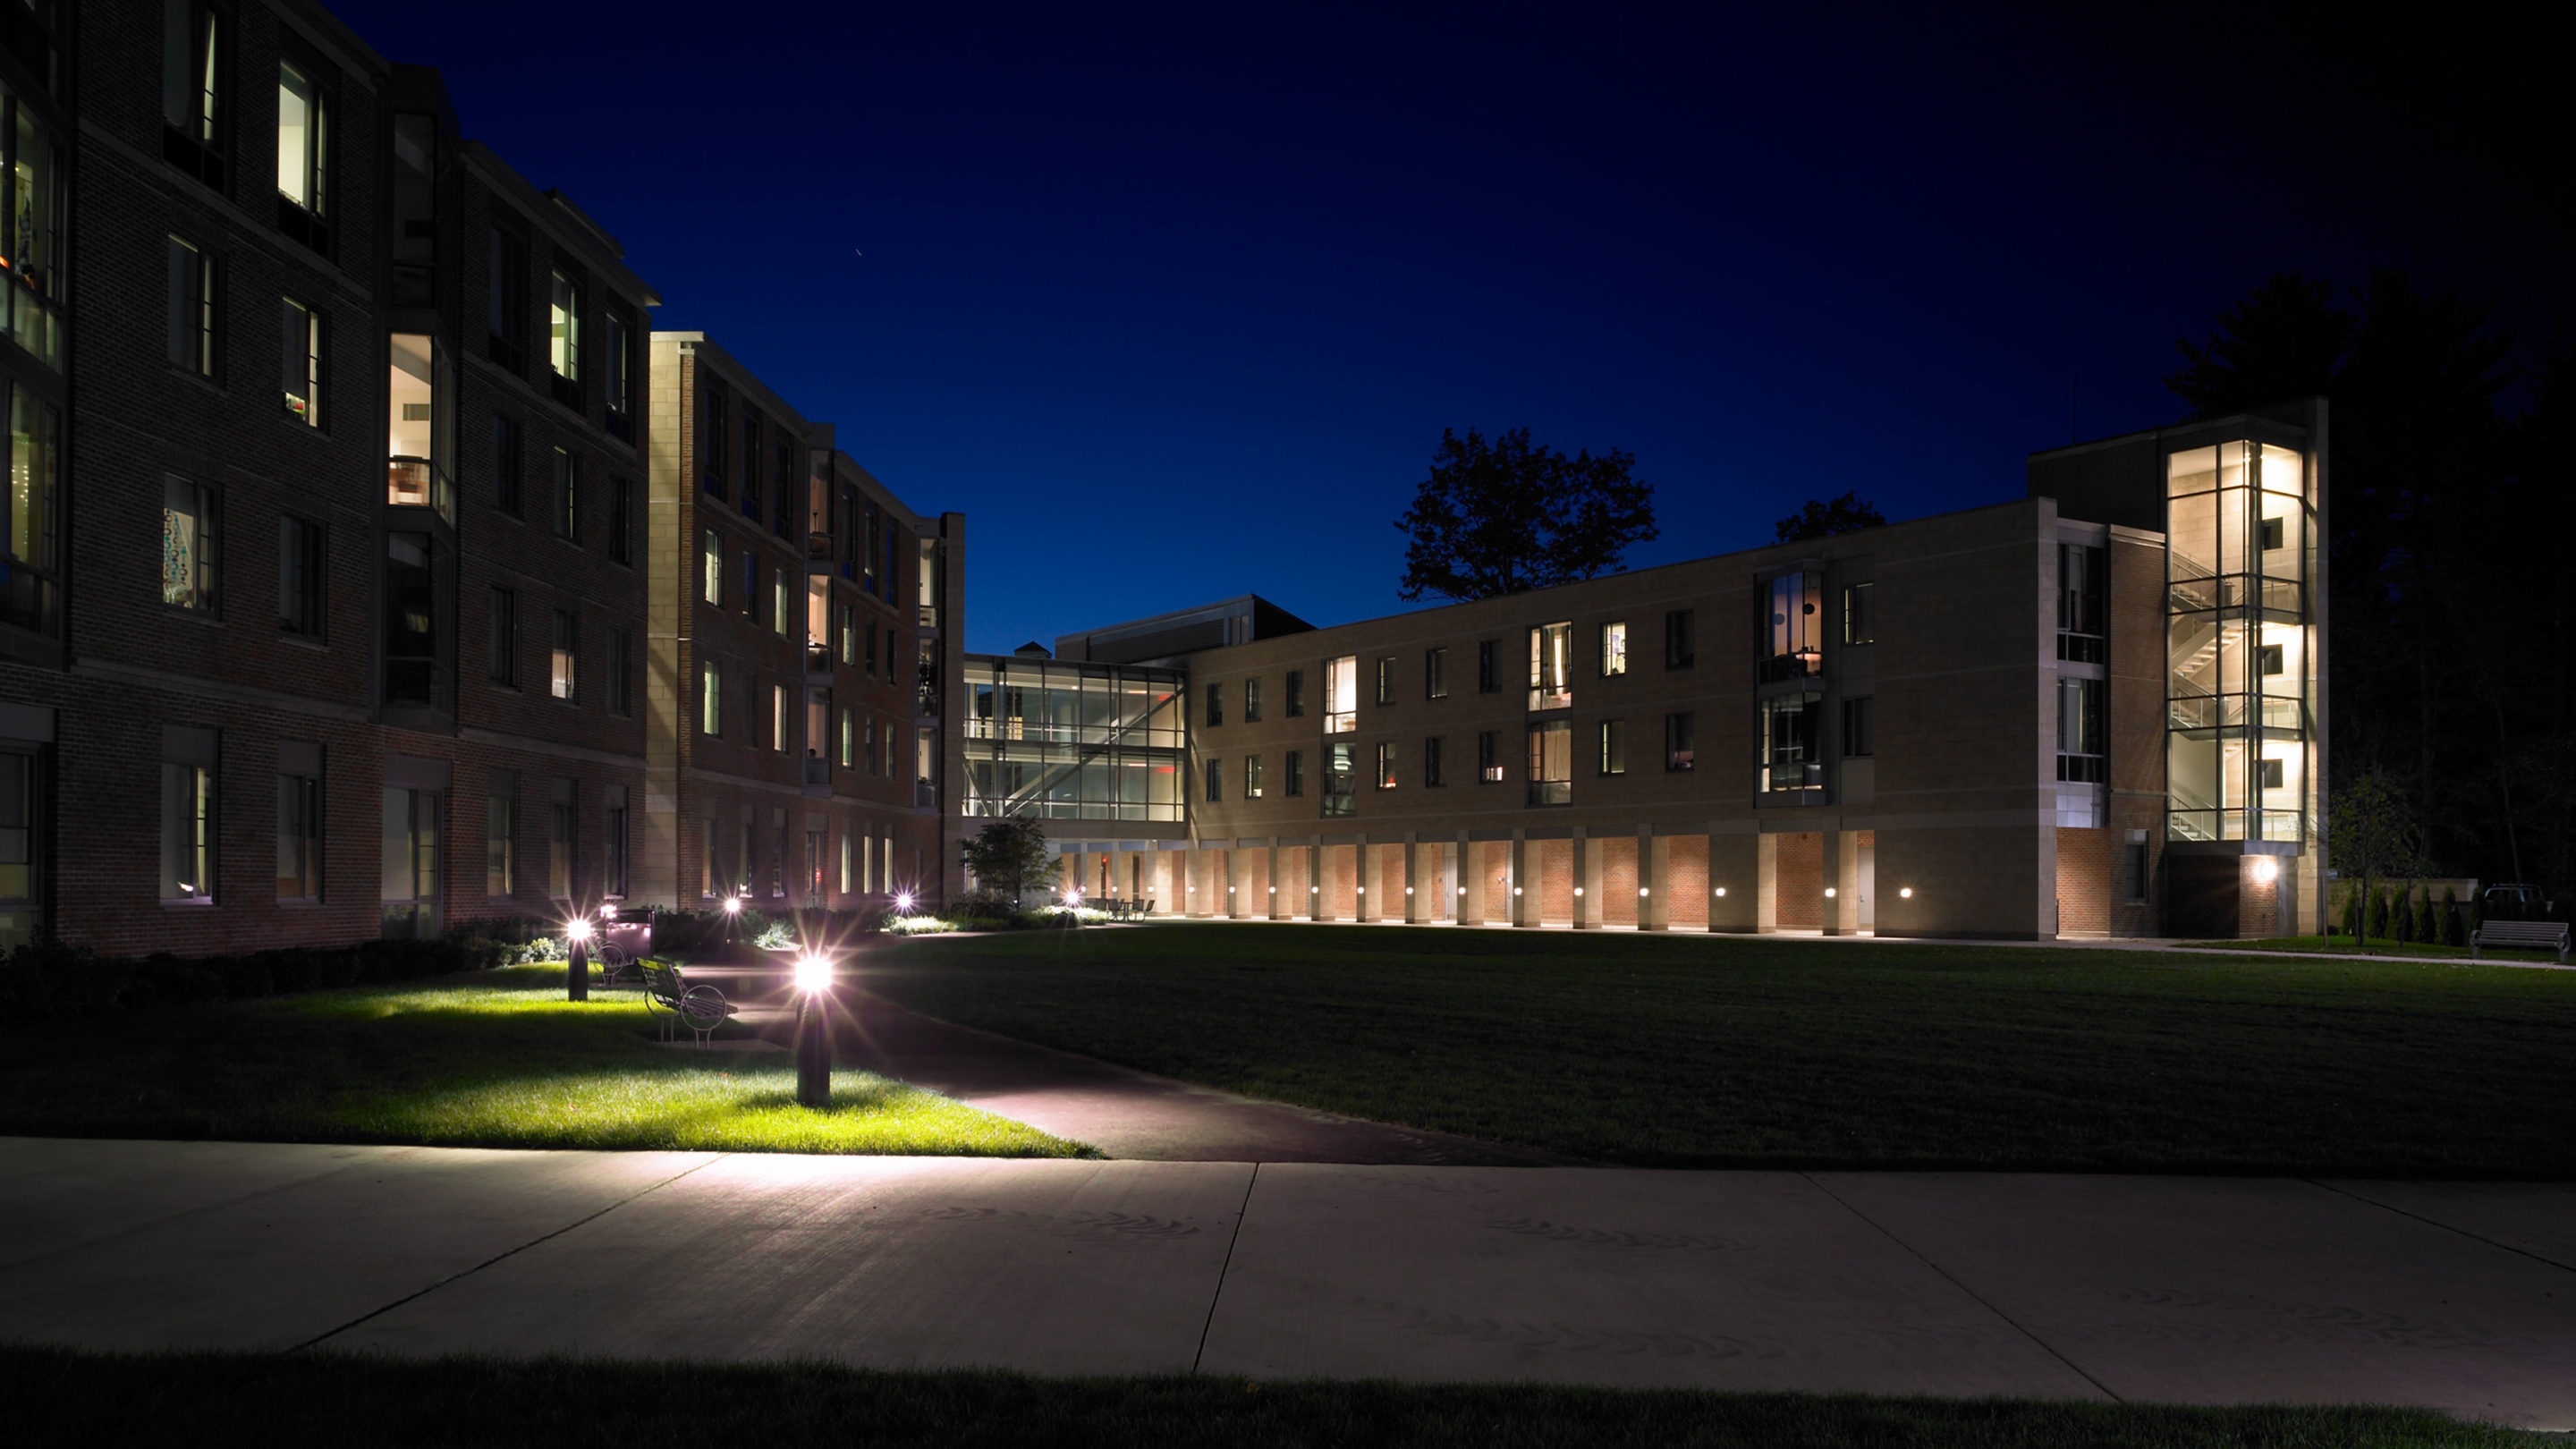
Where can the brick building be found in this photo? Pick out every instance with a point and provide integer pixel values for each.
(2098, 710)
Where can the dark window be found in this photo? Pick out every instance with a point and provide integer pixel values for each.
(1679, 752)
(2081, 607)
(188, 545)
(509, 465)
(1860, 622)
(299, 838)
(621, 520)
(711, 447)
(299, 576)
(2080, 742)
(567, 496)
(2267, 658)
(1386, 680)
(1295, 780)
(1614, 747)
(505, 637)
(1860, 728)
(1386, 765)
(1431, 762)
(1252, 701)
(2269, 773)
(613, 863)
(1215, 779)
(1215, 707)
(1296, 698)
(2272, 535)
(195, 96)
(750, 464)
(1486, 650)
(621, 672)
(1793, 745)
(500, 844)
(300, 363)
(1489, 757)
(28, 517)
(415, 211)
(196, 341)
(559, 849)
(782, 514)
(1680, 647)
(618, 361)
(2133, 867)
(411, 620)
(1435, 674)
(508, 288)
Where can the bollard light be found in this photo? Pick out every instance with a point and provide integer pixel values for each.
(577, 959)
(813, 1031)
(733, 905)
(903, 902)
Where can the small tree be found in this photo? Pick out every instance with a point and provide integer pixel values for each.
(2401, 916)
(1823, 518)
(2352, 914)
(2374, 926)
(2451, 933)
(2370, 835)
(1013, 851)
(2425, 932)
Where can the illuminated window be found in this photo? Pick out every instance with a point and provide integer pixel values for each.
(563, 327)
(301, 366)
(2081, 605)
(1386, 680)
(187, 545)
(2080, 738)
(303, 151)
(1551, 763)
(1792, 746)
(617, 358)
(1386, 765)
(711, 568)
(1489, 757)
(1614, 648)
(1341, 780)
(711, 699)
(1252, 701)
(1551, 649)
(778, 718)
(188, 814)
(1341, 694)
(563, 665)
(1252, 777)
(849, 741)
(1794, 628)
(1614, 747)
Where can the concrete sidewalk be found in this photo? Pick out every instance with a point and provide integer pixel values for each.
(2194, 1290)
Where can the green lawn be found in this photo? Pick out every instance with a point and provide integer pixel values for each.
(61, 1397)
(1710, 1051)
(2345, 945)
(491, 1059)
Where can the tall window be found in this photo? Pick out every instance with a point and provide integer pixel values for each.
(1793, 742)
(188, 829)
(563, 335)
(1215, 705)
(782, 515)
(1794, 627)
(1680, 752)
(778, 718)
(1860, 614)
(509, 465)
(508, 295)
(1860, 728)
(31, 546)
(2081, 603)
(299, 838)
(1341, 780)
(505, 637)
(299, 576)
(621, 520)
(1614, 747)
(750, 464)
(1486, 672)
(2080, 742)
(1431, 763)
(711, 568)
(781, 618)
(1386, 680)
(1680, 647)
(1252, 777)
(22, 850)
(1385, 775)
(710, 699)
(612, 844)
(301, 365)
(559, 820)
(193, 94)
(1293, 775)
(418, 436)
(563, 663)
(1551, 666)
(1614, 648)
(711, 447)
(303, 152)
(411, 619)
(1215, 772)
(1341, 694)
(1252, 700)
(618, 363)
(1489, 757)
(849, 628)
(1551, 763)
(621, 672)
(500, 846)
(408, 889)
(1296, 695)
(849, 740)
(567, 491)
(187, 545)
(194, 318)
(1435, 674)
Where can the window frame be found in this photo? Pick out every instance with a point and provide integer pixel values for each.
(1431, 774)
(195, 309)
(307, 342)
(502, 642)
(1614, 648)
(1860, 727)
(304, 793)
(302, 540)
(509, 465)
(1681, 638)
(1435, 674)
(563, 658)
(1613, 742)
(1681, 743)
(204, 592)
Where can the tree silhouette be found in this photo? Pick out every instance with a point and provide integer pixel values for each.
(1505, 517)
(1013, 849)
(1824, 517)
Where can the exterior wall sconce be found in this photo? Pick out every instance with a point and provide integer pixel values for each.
(2266, 869)
(1578, 890)
(1516, 890)
(1721, 890)
(1905, 894)
(1408, 890)
(1641, 893)
(1829, 893)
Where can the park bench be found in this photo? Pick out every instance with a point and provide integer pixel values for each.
(618, 952)
(2521, 935)
(674, 1002)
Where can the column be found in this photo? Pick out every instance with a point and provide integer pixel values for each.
(1587, 881)
(1314, 903)
(1273, 907)
(1470, 888)
(1766, 891)
(1236, 907)
(1524, 879)
(1368, 899)
(1654, 880)
(1196, 869)
(1421, 897)
(1841, 852)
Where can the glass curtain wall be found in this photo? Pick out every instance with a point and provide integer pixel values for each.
(2240, 686)
(1075, 741)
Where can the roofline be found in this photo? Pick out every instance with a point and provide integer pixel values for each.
(2268, 416)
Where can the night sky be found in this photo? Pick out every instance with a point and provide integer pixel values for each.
(1175, 306)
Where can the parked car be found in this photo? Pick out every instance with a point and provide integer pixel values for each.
(2517, 901)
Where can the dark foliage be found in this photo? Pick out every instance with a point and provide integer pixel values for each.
(1822, 518)
(1503, 517)
(76, 981)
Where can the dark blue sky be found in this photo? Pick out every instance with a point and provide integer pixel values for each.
(1174, 306)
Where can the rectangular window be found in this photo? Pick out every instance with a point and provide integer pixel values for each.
(2133, 867)
(500, 846)
(1614, 648)
(409, 866)
(1252, 777)
(509, 466)
(1341, 694)
(303, 154)
(1551, 672)
(1860, 623)
(621, 672)
(849, 860)
(508, 293)
(192, 90)
(621, 520)
(2080, 742)
(1215, 772)
(778, 718)
(299, 576)
(300, 369)
(711, 568)
(1614, 747)
(872, 652)
(194, 318)
(612, 842)
(710, 699)
(1551, 763)
(563, 665)
(28, 513)
(1294, 782)
(1385, 775)
(1792, 742)
(1435, 674)
(1341, 780)
(850, 635)
(2267, 658)
(711, 446)
(1215, 704)
(1679, 752)
(1680, 631)
(1252, 701)
(751, 584)
(559, 849)
(1296, 695)
(505, 637)
(1489, 757)
(2081, 604)
(1796, 627)
(2268, 774)
(617, 357)
(187, 545)
(1386, 680)
(782, 516)
(299, 838)
(187, 831)
(419, 442)
(1431, 778)
(1485, 651)
(1860, 728)
(567, 496)
(750, 464)
(563, 328)
(780, 616)
(411, 619)
(849, 741)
